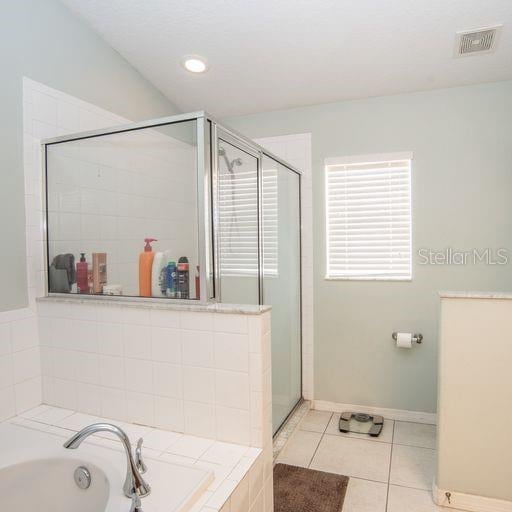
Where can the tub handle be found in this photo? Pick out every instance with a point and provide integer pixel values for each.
(139, 461)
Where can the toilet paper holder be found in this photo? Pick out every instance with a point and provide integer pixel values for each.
(416, 338)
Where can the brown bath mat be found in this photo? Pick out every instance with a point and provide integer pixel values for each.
(306, 490)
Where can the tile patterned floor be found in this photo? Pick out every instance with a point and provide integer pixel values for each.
(391, 473)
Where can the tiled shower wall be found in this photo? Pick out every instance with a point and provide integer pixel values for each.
(201, 373)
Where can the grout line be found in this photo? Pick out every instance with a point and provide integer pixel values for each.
(316, 449)
(415, 446)
(390, 462)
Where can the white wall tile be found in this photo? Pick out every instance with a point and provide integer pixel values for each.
(114, 404)
(232, 389)
(24, 334)
(196, 321)
(199, 419)
(139, 375)
(5, 339)
(166, 344)
(168, 380)
(199, 384)
(26, 364)
(230, 323)
(112, 372)
(137, 341)
(140, 408)
(169, 414)
(6, 371)
(7, 403)
(233, 425)
(198, 348)
(232, 351)
(28, 394)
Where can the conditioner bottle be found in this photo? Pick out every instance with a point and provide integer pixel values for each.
(146, 268)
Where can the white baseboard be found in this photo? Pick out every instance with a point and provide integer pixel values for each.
(391, 414)
(470, 502)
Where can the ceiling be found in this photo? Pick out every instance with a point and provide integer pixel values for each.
(274, 54)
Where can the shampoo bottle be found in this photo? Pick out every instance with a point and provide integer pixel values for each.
(82, 280)
(159, 263)
(183, 278)
(171, 282)
(146, 268)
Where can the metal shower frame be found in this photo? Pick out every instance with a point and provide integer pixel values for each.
(208, 132)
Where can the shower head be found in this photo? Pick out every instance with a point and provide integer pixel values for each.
(229, 165)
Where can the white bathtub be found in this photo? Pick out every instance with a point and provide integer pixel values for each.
(36, 475)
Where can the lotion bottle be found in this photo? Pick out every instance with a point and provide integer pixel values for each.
(145, 268)
(82, 280)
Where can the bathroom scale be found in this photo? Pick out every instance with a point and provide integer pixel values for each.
(361, 423)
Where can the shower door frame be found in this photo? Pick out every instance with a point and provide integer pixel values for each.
(220, 132)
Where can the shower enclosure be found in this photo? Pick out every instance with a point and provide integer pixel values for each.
(221, 213)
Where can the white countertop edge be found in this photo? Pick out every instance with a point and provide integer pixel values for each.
(476, 295)
(159, 304)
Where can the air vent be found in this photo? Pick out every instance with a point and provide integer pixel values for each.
(481, 40)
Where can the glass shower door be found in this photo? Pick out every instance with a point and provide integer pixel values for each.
(258, 259)
(282, 283)
(238, 245)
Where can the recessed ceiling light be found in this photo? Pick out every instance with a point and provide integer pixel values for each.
(194, 64)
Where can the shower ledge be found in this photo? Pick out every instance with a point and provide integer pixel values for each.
(476, 295)
(160, 304)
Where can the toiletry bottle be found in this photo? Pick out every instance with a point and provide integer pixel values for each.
(159, 263)
(171, 280)
(183, 277)
(198, 283)
(90, 281)
(82, 281)
(99, 271)
(145, 268)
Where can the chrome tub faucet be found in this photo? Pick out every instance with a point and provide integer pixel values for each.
(134, 484)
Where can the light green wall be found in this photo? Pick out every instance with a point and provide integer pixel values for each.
(42, 40)
(462, 188)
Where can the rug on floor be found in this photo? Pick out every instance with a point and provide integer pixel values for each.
(306, 490)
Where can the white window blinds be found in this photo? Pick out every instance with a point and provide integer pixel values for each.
(238, 222)
(368, 218)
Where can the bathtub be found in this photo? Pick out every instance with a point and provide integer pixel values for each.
(37, 474)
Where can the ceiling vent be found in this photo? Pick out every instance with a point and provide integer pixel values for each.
(480, 40)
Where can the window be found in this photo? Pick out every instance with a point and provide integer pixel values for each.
(368, 217)
(238, 222)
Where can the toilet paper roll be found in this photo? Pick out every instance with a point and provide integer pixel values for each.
(404, 340)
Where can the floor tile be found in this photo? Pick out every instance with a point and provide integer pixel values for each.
(412, 466)
(353, 457)
(365, 496)
(415, 434)
(386, 436)
(404, 499)
(300, 448)
(315, 421)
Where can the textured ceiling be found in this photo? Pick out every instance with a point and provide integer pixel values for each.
(272, 54)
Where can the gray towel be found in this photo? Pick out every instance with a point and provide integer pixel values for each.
(62, 273)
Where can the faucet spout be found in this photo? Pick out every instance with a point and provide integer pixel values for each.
(134, 483)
